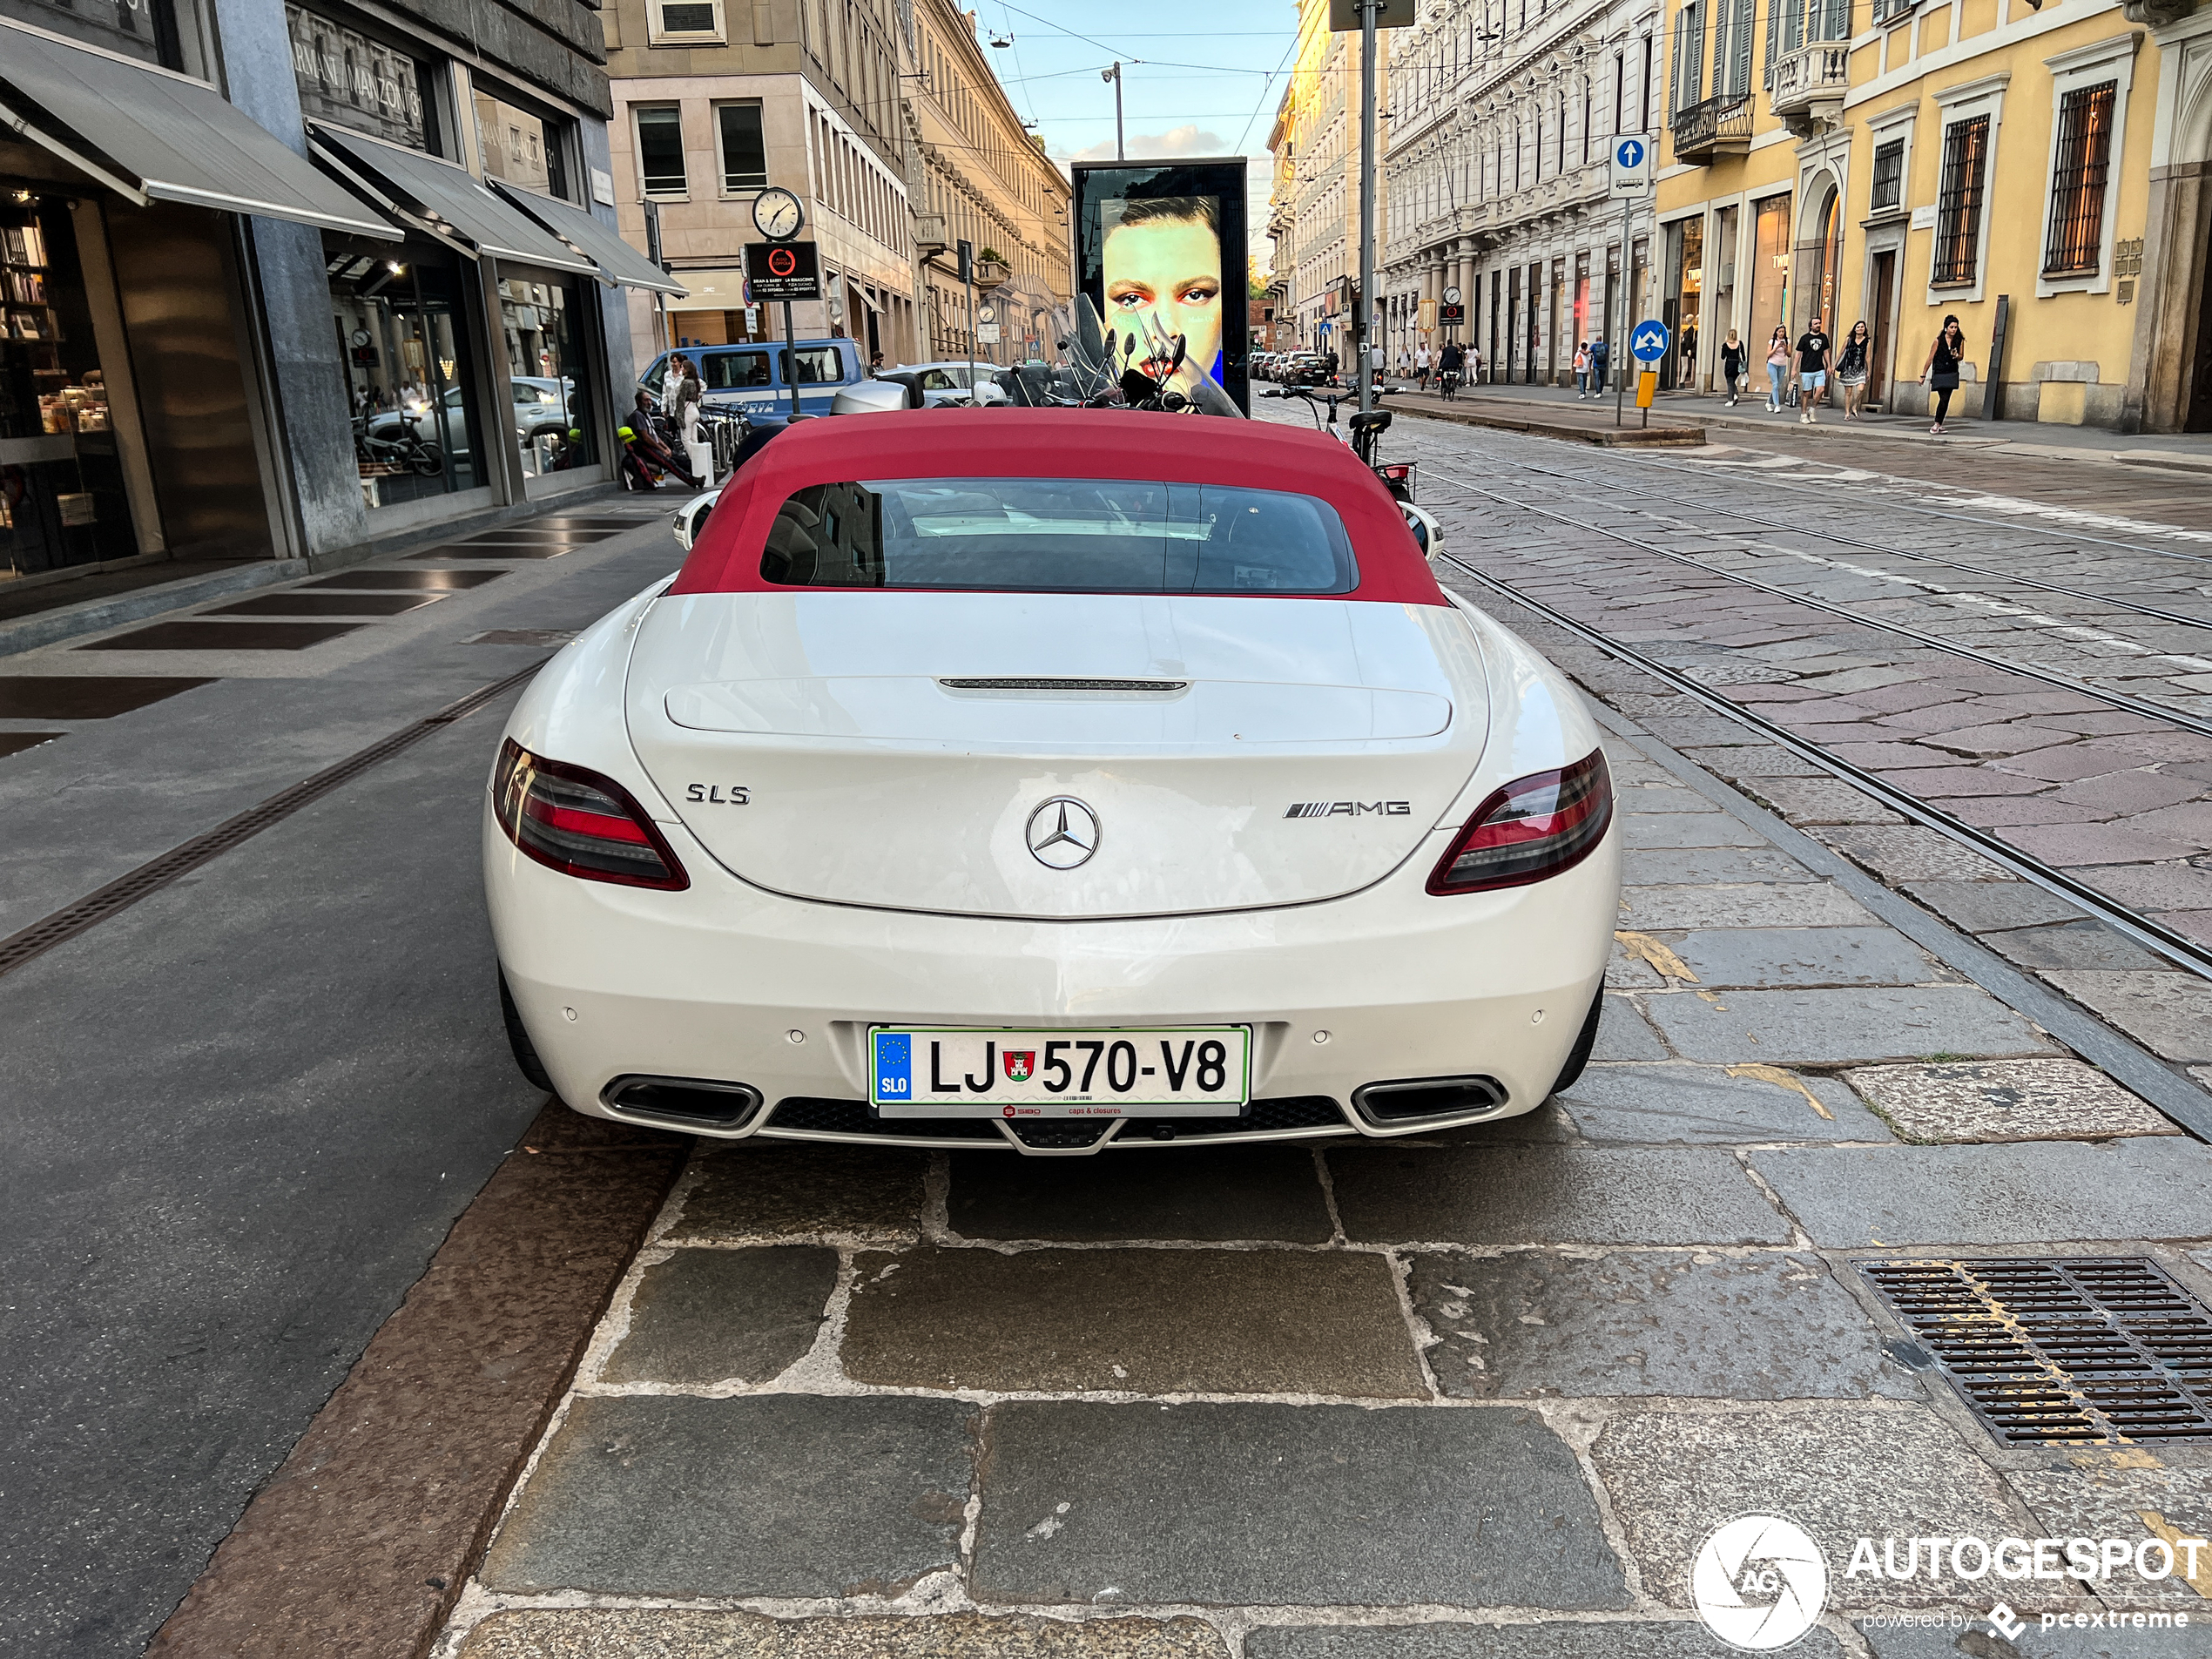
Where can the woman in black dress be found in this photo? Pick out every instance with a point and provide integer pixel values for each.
(1940, 373)
(1851, 369)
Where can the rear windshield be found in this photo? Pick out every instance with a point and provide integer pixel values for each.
(1046, 534)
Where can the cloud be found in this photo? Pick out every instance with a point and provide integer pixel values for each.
(1186, 140)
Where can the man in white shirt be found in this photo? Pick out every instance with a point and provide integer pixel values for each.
(1420, 365)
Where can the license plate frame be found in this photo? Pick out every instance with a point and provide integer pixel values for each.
(1028, 1095)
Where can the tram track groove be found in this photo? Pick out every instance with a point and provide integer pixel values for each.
(2139, 706)
(2176, 946)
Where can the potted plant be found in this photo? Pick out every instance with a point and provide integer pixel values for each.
(991, 267)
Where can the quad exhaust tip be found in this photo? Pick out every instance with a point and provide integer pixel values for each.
(1414, 1100)
(682, 1102)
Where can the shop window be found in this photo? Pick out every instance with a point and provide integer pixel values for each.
(520, 148)
(2076, 245)
(409, 382)
(660, 149)
(682, 23)
(167, 32)
(541, 323)
(62, 500)
(351, 81)
(1889, 175)
(744, 152)
(1965, 159)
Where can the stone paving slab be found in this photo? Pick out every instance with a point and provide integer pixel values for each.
(1973, 1640)
(2034, 1192)
(1840, 1474)
(1910, 853)
(1706, 1104)
(2169, 1014)
(1689, 829)
(689, 1633)
(1839, 1027)
(1608, 1639)
(1792, 905)
(1727, 958)
(1557, 1194)
(1705, 866)
(1670, 797)
(1144, 1321)
(2075, 945)
(713, 1316)
(2103, 1497)
(1822, 800)
(785, 1189)
(1239, 1505)
(760, 1495)
(1242, 1192)
(1622, 1035)
(1533, 1324)
(1981, 906)
(2008, 1100)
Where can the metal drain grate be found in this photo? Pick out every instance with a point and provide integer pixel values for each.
(2084, 1349)
(151, 877)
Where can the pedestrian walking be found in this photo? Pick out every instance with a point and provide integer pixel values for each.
(1940, 373)
(1471, 370)
(1688, 351)
(1421, 364)
(1734, 356)
(1851, 370)
(1601, 359)
(1777, 367)
(1582, 370)
(1815, 357)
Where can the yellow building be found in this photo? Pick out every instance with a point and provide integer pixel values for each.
(1990, 160)
(1314, 214)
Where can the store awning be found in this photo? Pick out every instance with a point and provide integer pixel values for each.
(151, 135)
(619, 262)
(448, 201)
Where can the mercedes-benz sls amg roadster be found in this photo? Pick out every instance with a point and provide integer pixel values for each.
(1052, 780)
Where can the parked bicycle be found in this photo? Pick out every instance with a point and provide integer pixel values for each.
(401, 446)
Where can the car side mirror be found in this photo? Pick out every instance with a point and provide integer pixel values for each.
(690, 519)
(1426, 530)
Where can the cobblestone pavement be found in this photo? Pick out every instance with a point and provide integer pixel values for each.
(1473, 1396)
(2098, 781)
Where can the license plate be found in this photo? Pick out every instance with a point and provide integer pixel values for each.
(941, 1072)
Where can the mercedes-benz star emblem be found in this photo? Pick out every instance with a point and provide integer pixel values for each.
(1062, 832)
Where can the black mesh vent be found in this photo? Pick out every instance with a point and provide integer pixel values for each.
(853, 1117)
(1059, 1134)
(1290, 1112)
(2060, 1349)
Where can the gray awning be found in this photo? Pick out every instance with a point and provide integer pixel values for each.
(152, 135)
(448, 201)
(616, 260)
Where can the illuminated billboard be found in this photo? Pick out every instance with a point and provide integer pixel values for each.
(1160, 251)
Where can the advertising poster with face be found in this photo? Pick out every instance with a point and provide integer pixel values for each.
(1160, 251)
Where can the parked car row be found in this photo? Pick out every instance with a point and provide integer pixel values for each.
(1291, 367)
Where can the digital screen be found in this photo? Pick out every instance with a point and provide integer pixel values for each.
(1160, 252)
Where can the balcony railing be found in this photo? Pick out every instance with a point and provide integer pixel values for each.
(1719, 126)
(1813, 75)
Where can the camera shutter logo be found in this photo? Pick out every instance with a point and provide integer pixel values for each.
(1759, 1582)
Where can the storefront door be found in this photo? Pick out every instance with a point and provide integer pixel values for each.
(411, 386)
(545, 321)
(1769, 273)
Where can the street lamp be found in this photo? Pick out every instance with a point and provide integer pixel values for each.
(1115, 76)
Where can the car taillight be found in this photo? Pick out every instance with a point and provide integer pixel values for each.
(1536, 826)
(580, 823)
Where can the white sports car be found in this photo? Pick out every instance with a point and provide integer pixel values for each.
(1054, 780)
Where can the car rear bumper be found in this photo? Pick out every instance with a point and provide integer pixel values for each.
(728, 984)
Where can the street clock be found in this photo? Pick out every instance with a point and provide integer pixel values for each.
(777, 214)
(1451, 296)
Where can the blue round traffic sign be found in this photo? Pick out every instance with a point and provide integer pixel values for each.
(1648, 342)
(1628, 152)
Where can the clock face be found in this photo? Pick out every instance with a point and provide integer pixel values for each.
(360, 336)
(1451, 296)
(777, 214)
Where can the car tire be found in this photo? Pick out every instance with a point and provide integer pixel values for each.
(518, 1039)
(1578, 1057)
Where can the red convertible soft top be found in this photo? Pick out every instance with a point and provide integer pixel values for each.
(1057, 443)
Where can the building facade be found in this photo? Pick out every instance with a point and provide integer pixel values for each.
(285, 280)
(714, 101)
(1502, 117)
(2004, 162)
(1313, 210)
(977, 174)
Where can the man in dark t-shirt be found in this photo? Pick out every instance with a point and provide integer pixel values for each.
(1813, 350)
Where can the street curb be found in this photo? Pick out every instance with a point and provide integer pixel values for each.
(1656, 437)
(95, 615)
(361, 1541)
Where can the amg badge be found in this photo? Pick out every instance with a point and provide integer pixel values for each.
(1349, 808)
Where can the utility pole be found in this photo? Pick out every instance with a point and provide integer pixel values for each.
(1363, 305)
(1115, 76)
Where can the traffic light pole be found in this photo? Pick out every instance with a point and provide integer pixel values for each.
(1363, 309)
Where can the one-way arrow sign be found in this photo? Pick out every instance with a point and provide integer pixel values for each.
(1631, 168)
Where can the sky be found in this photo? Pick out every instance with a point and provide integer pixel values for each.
(1186, 91)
